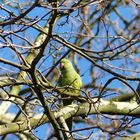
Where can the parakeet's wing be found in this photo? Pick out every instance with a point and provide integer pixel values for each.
(73, 82)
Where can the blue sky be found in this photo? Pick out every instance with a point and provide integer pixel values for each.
(72, 26)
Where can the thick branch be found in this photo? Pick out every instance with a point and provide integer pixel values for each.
(104, 107)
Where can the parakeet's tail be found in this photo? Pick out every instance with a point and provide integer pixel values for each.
(69, 123)
(66, 102)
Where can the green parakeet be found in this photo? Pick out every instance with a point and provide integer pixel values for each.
(70, 78)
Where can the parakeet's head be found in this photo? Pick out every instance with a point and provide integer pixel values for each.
(65, 64)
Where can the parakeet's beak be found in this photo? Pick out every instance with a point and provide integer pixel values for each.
(61, 65)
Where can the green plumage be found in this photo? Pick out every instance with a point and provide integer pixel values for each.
(69, 77)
